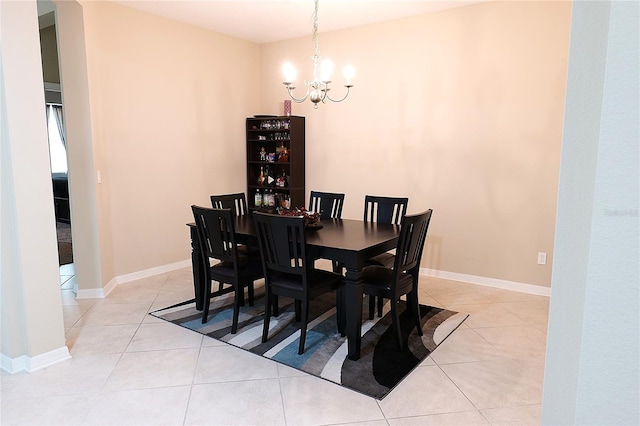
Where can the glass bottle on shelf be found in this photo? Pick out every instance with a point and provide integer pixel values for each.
(257, 199)
(282, 180)
(261, 178)
(272, 199)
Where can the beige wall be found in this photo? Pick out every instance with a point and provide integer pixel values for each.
(459, 110)
(168, 103)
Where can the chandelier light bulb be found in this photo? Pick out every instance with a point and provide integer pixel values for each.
(348, 72)
(326, 69)
(289, 72)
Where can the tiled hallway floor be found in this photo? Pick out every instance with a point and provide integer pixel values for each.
(129, 368)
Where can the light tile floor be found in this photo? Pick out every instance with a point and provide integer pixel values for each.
(129, 368)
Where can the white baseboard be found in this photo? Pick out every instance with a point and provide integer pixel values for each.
(454, 276)
(100, 293)
(488, 282)
(146, 273)
(31, 364)
(96, 293)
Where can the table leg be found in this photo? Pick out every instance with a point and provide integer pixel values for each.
(353, 302)
(196, 267)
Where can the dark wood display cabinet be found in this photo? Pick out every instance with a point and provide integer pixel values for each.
(275, 162)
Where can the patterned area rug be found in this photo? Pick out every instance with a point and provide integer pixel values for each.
(381, 365)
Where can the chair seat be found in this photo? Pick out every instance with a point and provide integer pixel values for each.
(377, 279)
(319, 281)
(384, 259)
(248, 267)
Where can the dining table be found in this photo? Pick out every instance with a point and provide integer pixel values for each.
(347, 242)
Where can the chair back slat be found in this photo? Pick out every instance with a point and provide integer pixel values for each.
(384, 209)
(413, 233)
(282, 243)
(327, 204)
(236, 202)
(216, 233)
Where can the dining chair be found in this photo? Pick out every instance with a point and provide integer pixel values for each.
(289, 273)
(392, 283)
(216, 235)
(381, 209)
(327, 204)
(236, 202)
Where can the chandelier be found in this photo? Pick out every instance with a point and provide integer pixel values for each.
(318, 88)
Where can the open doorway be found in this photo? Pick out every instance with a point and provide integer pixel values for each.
(60, 182)
(57, 142)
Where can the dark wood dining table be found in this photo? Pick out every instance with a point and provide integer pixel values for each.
(349, 242)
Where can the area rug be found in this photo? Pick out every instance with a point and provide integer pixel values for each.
(65, 247)
(381, 365)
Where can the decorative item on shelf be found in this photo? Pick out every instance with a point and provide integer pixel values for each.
(287, 107)
(257, 199)
(261, 178)
(282, 180)
(284, 155)
(318, 88)
(263, 154)
(272, 157)
(285, 201)
(268, 176)
(311, 219)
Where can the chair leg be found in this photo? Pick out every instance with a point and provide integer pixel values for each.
(380, 305)
(251, 293)
(267, 316)
(395, 323)
(297, 309)
(236, 308)
(276, 307)
(412, 298)
(207, 301)
(372, 305)
(303, 328)
(240, 292)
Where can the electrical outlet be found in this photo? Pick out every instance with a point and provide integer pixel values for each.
(542, 258)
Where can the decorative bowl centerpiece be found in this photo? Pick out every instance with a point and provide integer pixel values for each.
(311, 219)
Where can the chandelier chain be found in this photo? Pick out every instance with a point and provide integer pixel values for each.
(315, 28)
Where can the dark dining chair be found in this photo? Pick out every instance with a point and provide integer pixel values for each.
(380, 209)
(216, 236)
(288, 272)
(236, 202)
(392, 283)
(327, 204)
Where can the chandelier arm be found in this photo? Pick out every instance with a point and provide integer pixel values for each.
(338, 100)
(297, 100)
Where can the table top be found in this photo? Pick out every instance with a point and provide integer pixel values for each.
(336, 235)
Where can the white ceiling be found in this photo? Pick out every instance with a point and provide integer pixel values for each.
(264, 21)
